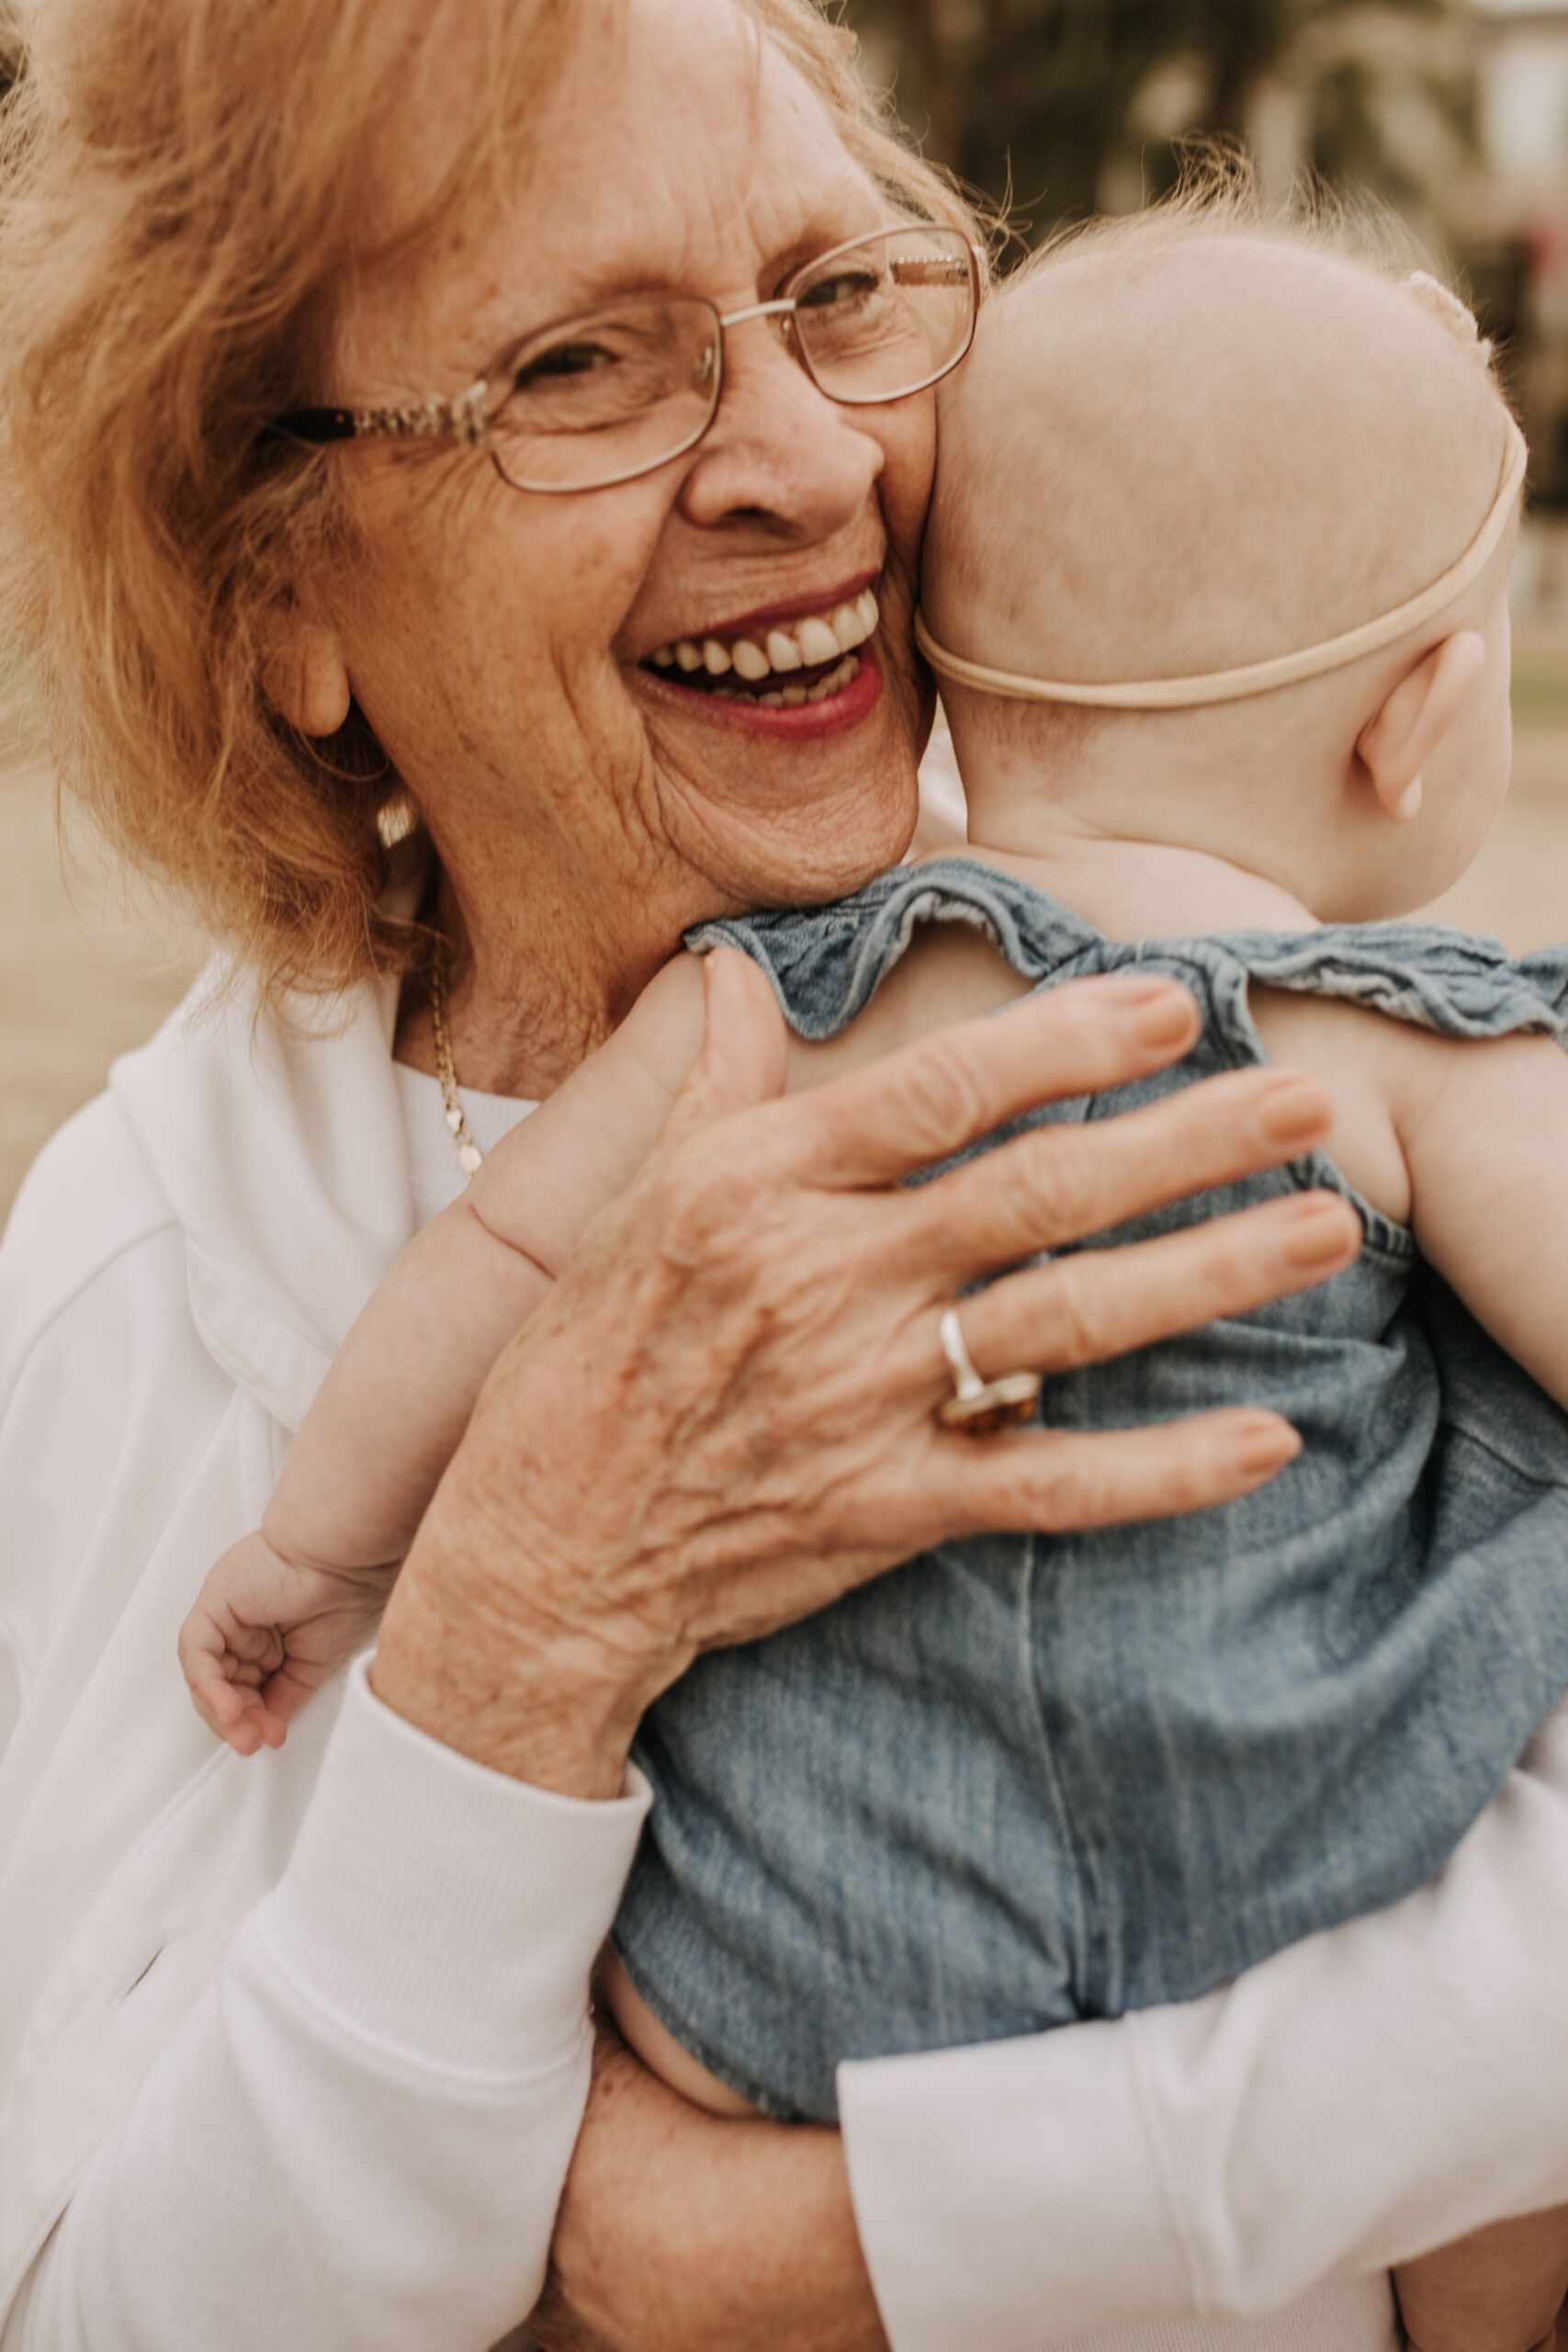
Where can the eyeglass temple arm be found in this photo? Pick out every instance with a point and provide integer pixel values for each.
(316, 425)
(463, 419)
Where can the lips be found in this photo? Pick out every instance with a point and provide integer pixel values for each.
(783, 666)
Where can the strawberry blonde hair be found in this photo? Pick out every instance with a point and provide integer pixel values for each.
(181, 186)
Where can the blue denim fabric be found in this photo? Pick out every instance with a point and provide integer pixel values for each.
(1022, 1781)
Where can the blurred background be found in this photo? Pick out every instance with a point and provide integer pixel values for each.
(1453, 112)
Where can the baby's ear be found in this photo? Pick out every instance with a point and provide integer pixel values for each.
(1396, 746)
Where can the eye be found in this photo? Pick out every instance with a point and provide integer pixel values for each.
(846, 286)
(563, 359)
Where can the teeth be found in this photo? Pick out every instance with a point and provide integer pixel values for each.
(791, 698)
(816, 640)
(819, 638)
(836, 680)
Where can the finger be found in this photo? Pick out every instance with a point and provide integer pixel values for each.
(286, 1692)
(1097, 1304)
(199, 1647)
(227, 1717)
(241, 1652)
(1058, 1481)
(206, 1665)
(255, 1727)
(1059, 1185)
(255, 1731)
(957, 1085)
(215, 1701)
(746, 1048)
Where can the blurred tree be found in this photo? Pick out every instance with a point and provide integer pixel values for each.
(1075, 105)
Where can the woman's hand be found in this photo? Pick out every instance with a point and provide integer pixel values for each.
(681, 2233)
(724, 1417)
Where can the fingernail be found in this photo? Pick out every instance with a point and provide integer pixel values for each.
(1293, 1111)
(1133, 987)
(1317, 1232)
(1267, 1444)
(1167, 1016)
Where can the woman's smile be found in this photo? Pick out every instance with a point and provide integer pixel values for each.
(799, 669)
(825, 700)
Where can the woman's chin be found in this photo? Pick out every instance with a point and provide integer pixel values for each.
(825, 797)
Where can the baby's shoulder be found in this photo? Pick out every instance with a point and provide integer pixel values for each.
(1400, 1018)
(1450, 983)
(949, 973)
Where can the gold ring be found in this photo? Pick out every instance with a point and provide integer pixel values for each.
(979, 1407)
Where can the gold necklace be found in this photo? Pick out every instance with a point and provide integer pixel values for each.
(469, 1156)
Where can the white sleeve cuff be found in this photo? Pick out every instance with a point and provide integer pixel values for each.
(978, 2174)
(442, 1911)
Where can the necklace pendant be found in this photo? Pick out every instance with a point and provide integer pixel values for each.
(470, 1159)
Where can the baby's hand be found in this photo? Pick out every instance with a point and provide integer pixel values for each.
(266, 1632)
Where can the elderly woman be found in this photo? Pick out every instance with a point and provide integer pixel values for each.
(409, 410)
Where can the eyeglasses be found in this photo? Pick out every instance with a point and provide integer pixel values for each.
(623, 389)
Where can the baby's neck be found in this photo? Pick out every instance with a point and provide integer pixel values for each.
(1133, 889)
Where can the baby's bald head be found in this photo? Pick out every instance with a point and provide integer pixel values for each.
(1183, 445)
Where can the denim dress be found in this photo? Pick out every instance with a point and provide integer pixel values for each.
(1023, 1780)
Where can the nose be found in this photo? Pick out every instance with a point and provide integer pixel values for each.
(778, 451)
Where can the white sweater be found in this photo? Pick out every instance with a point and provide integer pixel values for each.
(293, 2050)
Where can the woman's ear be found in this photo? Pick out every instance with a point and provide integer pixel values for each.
(305, 678)
(1396, 746)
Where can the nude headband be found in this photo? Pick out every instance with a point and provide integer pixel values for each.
(1258, 677)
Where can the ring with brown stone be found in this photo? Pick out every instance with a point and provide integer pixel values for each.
(980, 1408)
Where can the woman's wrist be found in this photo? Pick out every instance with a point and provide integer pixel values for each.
(467, 1655)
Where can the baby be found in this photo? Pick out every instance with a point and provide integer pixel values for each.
(1020, 1782)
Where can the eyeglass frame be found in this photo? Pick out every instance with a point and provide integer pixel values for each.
(465, 420)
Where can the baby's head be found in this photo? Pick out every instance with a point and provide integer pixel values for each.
(1187, 443)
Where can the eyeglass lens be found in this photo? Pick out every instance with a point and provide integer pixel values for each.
(887, 316)
(623, 389)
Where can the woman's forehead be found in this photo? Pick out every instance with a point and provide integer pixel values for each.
(682, 150)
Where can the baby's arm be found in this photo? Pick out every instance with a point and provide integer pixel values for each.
(287, 1604)
(1484, 1132)
(1466, 1141)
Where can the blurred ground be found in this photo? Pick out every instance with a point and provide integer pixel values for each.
(83, 975)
